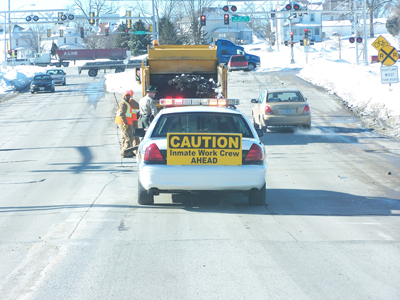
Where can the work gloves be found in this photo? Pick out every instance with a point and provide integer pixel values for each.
(125, 126)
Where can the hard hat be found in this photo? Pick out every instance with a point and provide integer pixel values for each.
(151, 88)
(129, 92)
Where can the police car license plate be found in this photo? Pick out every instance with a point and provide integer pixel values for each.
(42, 88)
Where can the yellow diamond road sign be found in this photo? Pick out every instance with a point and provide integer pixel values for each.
(380, 42)
(388, 55)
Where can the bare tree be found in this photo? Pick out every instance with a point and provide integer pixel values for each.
(99, 7)
(38, 32)
(374, 6)
(99, 41)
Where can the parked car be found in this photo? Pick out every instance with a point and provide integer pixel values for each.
(237, 62)
(281, 107)
(42, 83)
(58, 76)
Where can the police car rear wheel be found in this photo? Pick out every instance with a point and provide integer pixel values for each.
(145, 197)
(257, 197)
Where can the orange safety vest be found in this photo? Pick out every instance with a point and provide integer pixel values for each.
(130, 115)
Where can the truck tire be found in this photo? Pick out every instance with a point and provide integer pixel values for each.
(145, 197)
(58, 65)
(119, 70)
(257, 197)
(65, 64)
(92, 72)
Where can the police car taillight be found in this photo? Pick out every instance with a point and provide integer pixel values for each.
(254, 155)
(205, 102)
(153, 154)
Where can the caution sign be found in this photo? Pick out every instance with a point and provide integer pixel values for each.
(388, 55)
(380, 42)
(204, 149)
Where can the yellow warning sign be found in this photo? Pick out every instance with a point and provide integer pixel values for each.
(380, 42)
(388, 55)
(204, 149)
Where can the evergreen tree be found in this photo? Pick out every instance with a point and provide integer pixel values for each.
(168, 33)
(122, 39)
(138, 42)
(393, 25)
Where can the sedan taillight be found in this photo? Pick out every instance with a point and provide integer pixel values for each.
(153, 155)
(268, 110)
(306, 110)
(255, 155)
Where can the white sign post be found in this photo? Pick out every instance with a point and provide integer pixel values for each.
(389, 74)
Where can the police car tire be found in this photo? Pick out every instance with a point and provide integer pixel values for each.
(257, 197)
(145, 197)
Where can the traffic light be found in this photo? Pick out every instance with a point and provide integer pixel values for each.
(352, 40)
(359, 39)
(272, 15)
(286, 43)
(60, 14)
(306, 33)
(291, 39)
(48, 32)
(127, 31)
(203, 20)
(10, 52)
(61, 33)
(128, 21)
(226, 19)
(225, 8)
(82, 32)
(107, 31)
(91, 21)
(302, 42)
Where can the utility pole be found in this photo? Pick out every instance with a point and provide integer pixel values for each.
(9, 33)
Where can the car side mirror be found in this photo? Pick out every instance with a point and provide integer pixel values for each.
(260, 132)
(253, 100)
(140, 132)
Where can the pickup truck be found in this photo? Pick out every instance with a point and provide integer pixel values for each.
(225, 49)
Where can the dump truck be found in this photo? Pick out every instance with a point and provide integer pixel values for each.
(184, 71)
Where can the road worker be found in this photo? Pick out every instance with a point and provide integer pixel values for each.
(126, 118)
(147, 107)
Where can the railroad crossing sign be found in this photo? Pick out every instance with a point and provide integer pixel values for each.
(388, 55)
(380, 42)
(241, 19)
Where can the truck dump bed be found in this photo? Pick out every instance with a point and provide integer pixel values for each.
(185, 71)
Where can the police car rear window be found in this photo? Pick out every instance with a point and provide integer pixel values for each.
(201, 123)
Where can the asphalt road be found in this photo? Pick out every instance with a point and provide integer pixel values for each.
(71, 228)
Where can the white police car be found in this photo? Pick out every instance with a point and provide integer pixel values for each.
(202, 145)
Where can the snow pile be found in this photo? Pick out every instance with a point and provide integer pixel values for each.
(17, 79)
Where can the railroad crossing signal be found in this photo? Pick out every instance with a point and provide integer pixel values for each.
(91, 21)
(352, 40)
(388, 55)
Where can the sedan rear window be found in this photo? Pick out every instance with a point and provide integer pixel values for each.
(201, 123)
(285, 96)
(42, 78)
